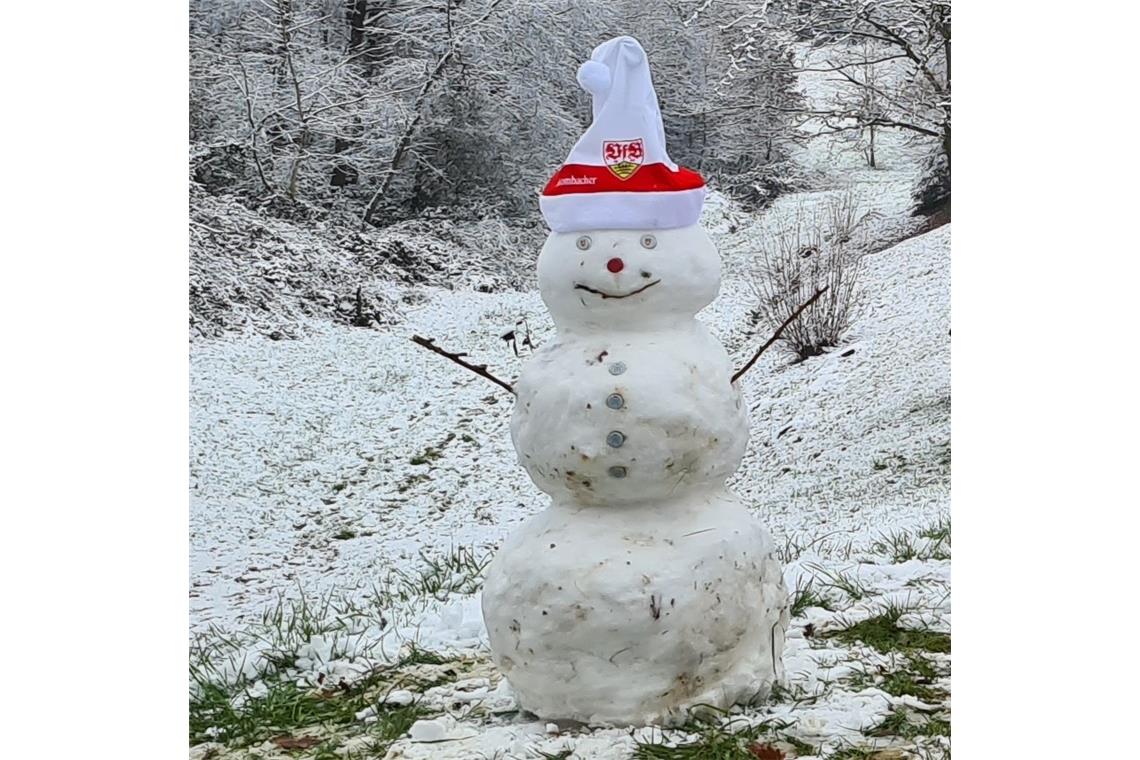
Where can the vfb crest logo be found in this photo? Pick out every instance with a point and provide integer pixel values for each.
(624, 157)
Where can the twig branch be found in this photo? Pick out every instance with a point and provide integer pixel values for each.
(478, 369)
(776, 335)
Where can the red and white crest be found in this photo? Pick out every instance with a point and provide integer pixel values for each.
(623, 157)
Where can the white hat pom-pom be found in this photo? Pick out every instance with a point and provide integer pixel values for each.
(594, 77)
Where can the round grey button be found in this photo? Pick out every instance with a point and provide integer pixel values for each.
(615, 401)
(615, 439)
(617, 471)
(617, 368)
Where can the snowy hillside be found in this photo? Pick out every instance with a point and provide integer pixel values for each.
(329, 463)
(297, 443)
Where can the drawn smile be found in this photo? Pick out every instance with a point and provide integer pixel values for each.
(604, 294)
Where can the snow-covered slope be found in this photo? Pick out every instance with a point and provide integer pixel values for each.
(323, 464)
(860, 438)
(296, 444)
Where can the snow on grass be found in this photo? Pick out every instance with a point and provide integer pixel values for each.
(356, 471)
(331, 460)
(863, 673)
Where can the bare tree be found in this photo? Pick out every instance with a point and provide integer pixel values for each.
(860, 93)
(914, 33)
(746, 98)
(389, 109)
(911, 94)
(435, 74)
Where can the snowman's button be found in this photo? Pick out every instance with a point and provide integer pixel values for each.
(615, 401)
(615, 439)
(617, 471)
(617, 368)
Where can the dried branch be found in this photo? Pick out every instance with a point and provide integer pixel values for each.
(776, 335)
(478, 369)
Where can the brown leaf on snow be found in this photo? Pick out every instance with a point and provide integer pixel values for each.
(296, 742)
(765, 751)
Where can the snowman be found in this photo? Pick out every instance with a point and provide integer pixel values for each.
(646, 587)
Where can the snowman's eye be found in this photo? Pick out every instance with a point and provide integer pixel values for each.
(584, 243)
(648, 241)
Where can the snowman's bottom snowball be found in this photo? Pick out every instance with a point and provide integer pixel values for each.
(634, 614)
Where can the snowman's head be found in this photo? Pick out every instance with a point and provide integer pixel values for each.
(627, 279)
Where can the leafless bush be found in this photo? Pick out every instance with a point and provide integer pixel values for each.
(843, 214)
(805, 254)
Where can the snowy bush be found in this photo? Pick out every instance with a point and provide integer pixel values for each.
(803, 254)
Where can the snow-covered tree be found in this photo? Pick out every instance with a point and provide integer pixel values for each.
(384, 109)
(911, 94)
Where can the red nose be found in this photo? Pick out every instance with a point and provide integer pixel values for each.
(615, 265)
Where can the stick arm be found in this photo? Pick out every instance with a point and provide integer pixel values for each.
(478, 369)
(776, 335)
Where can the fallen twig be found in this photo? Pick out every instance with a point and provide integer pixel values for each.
(478, 369)
(776, 335)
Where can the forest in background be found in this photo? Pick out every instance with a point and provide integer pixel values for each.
(377, 135)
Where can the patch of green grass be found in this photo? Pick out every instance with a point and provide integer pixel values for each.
(390, 725)
(899, 683)
(563, 755)
(910, 724)
(417, 656)
(223, 703)
(924, 667)
(713, 741)
(900, 547)
(792, 548)
(937, 535)
(929, 542)
(802, 748)
(459, 571)
(853, 753)
(287, 708)
(882, 632)
(243, 691)
(432, 453)
(291, 623)
(326, 751)
(915, 677)
(412, 480)
(846, 582)
(806, 597)
(429, 455)
(284, 708)
(937, 531)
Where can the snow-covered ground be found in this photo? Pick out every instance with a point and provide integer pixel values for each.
(296, 443)
(348, 460)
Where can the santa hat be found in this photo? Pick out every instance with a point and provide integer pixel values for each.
(619, 176)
